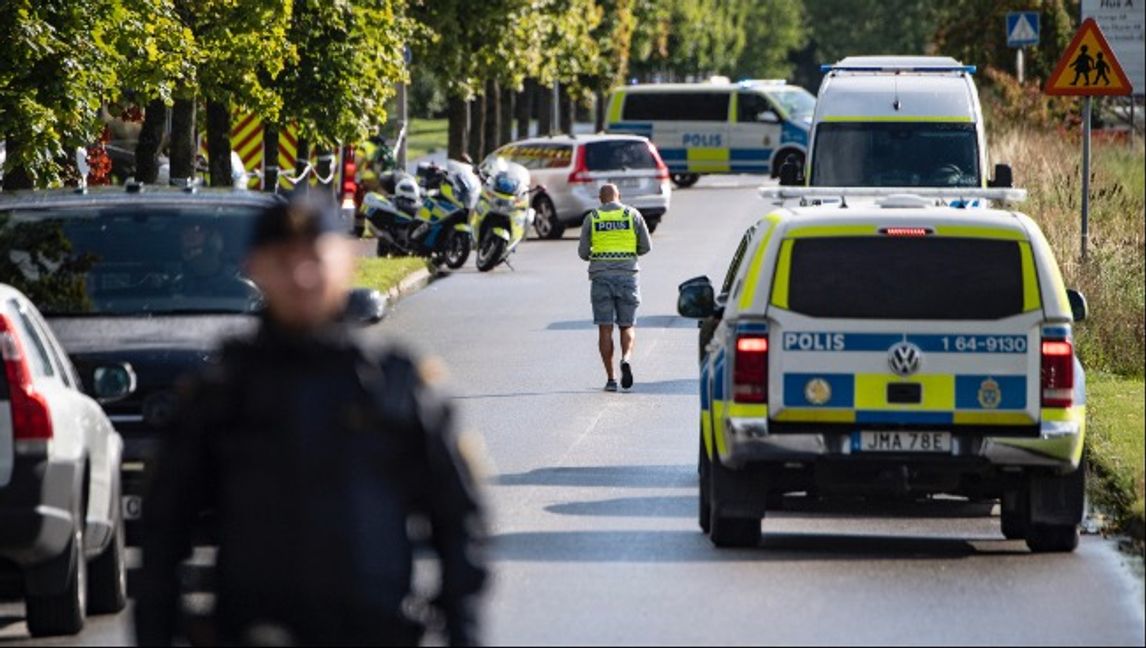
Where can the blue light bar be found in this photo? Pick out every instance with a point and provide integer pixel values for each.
(827, 67)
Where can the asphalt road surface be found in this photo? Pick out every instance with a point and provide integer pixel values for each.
(593, 494)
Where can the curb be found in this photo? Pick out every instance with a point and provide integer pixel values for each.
(409, 285)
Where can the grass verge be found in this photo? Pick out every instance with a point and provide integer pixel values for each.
(425, 136)
(385, 273)
(1116, 409)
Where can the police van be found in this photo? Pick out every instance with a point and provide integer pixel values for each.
(891, 348)
(897, 121)
(717, 127)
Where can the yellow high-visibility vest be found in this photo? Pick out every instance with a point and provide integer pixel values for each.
(614, 235)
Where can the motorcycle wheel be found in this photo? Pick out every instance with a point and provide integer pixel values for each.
(458, 250)
(384, 249)
(490, 253)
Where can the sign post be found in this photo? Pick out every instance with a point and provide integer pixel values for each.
(1087, 68)
(1022, 31)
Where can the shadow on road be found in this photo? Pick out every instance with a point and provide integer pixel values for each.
(692, 546)
(795, 507)
(648, 321)
(651, 476)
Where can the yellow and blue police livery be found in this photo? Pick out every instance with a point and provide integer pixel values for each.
(701, 128)
(894, 347)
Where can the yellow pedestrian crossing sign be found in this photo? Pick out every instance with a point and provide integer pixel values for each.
(1088, 67)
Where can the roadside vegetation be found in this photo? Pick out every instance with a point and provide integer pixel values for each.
(425, 136)
(385, 273)
(1112, 341)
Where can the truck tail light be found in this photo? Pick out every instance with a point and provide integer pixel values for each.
(750, 369)
(1057, 373)
(580, 174)
(31, 418)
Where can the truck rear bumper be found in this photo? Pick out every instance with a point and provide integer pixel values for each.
(37, 510)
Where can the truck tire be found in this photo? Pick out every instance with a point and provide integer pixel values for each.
(1052, 538)
(107, 574)
(1015, 513)
(728, 529)
(704, 466)
(62, 613)
(684, 180)
(1056, 505)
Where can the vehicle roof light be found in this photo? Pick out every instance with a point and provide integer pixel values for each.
(829, 67)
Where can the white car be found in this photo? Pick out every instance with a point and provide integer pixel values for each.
(61, 527)
(571, 170)
(891, 349)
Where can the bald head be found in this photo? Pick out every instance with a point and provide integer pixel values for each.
(609, 193)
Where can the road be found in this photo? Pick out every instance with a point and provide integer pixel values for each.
(593, 494)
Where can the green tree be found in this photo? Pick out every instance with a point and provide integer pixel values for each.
(773, 28)
(58, 66)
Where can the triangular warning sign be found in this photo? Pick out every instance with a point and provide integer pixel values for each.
(1088, 66)
(1023, 31)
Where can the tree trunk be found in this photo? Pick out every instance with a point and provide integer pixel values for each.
(302, 159)
(219, 144)
(492, 135)
(567, 112)
(270, 157)
(182, 141)
(476, 132)
(544, 110)
(150, 142)
(457, 118)
(18, 177)
(599, 111)
(505, 134)
(324, 168)
(525, 108)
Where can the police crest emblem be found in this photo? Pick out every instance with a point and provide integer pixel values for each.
(817, 391)
(989, 394)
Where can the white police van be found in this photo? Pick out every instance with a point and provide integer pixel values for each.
(897, 121)
(701, 128)
(892, 347)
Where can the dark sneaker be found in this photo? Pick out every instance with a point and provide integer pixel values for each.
(611, 385)
(626, 375)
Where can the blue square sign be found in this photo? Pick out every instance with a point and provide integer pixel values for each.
(1022, 28)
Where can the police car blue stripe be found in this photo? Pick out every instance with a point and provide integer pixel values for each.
(673, 154)
(752, 327)
(906, 418)
(971, 393)
(934, 343)
(750, 155)
(842, 388)
(718, 383)
(638, 128)
(742, 167)
(1056, 331)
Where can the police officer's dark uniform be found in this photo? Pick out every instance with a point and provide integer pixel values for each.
(312, 452)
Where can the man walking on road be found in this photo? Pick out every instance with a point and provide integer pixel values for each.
(313, 448)
(612, 237)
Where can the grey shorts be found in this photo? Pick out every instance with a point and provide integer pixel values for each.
(615, 299)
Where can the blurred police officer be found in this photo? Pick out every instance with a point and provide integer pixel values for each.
(612, 237)
(314, 449)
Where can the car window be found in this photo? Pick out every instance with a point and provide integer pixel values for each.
(749, 105)
(906, 278)
(538, 156)
(895, 154)
(59, 359)
(795, 102)
(734, 267)
(676, 106)
(130, 260)
(611, 155)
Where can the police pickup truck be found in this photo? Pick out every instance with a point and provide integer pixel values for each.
(896, 346)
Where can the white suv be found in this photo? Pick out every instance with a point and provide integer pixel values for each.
(572, 169)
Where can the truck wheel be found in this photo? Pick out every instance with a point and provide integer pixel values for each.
(684, 180)
(107, 574)
(705, 508)
(546, 224)
(62, 613)
(1015, 513)
(1052, 538)
(726, 529)
(1056, 505)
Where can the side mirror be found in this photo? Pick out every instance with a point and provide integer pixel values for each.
(1078, 307)
(1004, 177)
(364, 307)
(790, 172)
(696, 299)
(768, 117)
(111, 383)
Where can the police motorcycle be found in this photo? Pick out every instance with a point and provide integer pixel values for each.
(503, 215)
(427, 221)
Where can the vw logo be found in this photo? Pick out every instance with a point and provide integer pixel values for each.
(904, 358)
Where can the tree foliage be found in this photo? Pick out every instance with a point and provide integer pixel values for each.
(973, 31)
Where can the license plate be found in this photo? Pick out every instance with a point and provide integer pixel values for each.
(627, 183)
(132, 507)
(900, 441)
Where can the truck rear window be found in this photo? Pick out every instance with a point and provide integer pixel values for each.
(617, 155)
(906, 278)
